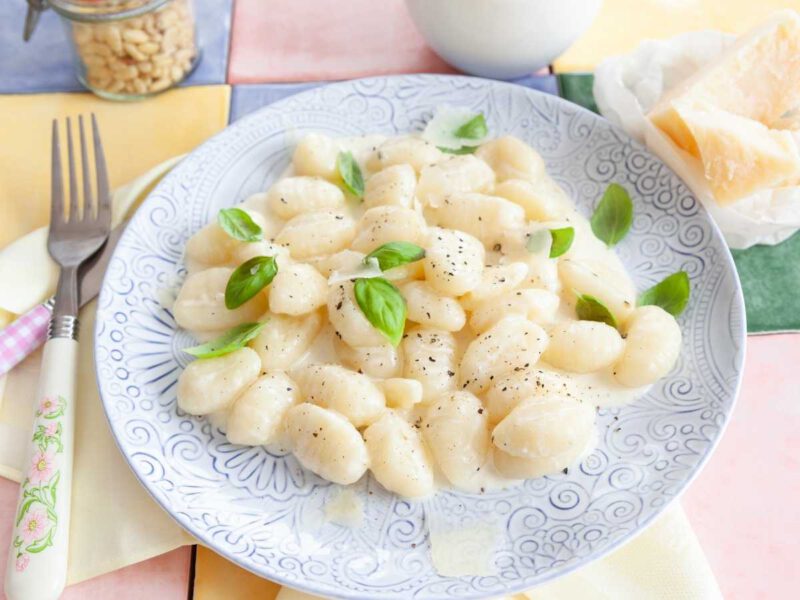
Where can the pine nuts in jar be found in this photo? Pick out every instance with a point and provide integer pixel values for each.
(130, 49)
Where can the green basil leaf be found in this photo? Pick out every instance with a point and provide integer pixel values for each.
(462, 150)
(383, 305)
(613, 216)
(350, 173)
(474, 129)
(239, 225)
(590, 308)
(248, 279)
(562, 241)
(394, 254)
(229, 341)
(671, 294)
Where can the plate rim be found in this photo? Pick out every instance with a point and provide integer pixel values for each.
(199, 535)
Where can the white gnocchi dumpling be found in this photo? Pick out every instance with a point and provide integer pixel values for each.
(652, 346)
(256, 417)
(292, 196)
(542, 199)
(487, 218)
(430, 309)
(508, 390)
(345, 261)
(212, 384)
(315, 233)
(429, 356)
(315, 155)
(297, 289)
(542, 273)
(393, 186)
(326, 443)
(212, 246)
(513, 343)
(349, 393)
(455, 174)
(539, 306)
(376, 361)
(347, 318)
(397, 456)
(384, 224)
(404, 150)
(285, 339)
(453, 261)
(456, 430)
(401, 393)
(270, 223)
(519, 467)
(602, 279)
(548, 426)
(583, 346)
(495, 281)
(511, 158)
(200, 305)
(245, 252)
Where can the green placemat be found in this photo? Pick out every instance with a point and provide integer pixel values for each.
(770, 275)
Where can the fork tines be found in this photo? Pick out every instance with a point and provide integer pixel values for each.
(92, 209)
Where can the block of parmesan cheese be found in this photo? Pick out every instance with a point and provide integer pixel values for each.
(740, 155)
(757, 79)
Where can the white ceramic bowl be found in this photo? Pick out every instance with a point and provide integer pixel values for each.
(502, 39)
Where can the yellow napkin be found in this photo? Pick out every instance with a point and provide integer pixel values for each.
(622, 24)
(115, 522)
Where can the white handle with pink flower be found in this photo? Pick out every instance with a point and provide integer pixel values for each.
(37, 566)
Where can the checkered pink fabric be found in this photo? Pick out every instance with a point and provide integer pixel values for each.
(22, 337)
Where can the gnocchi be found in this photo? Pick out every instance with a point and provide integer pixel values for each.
(456, 429)
(256, 417)
(351, 394)
(398, 458)
(326, 443)
(652, 346)
(465, 359)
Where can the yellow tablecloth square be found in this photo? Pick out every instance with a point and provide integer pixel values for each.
(137, 136)
(622, 24)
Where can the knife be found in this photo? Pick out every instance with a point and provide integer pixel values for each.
(28, 332)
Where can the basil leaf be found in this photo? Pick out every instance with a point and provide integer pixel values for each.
(248, 279)
(590, 308)
(350, 173)
(394, 254)
(671, 294)
(462, 150)
(231, 340)
(474, 129)
(613, 216)
(383, 305)
(239, 225)
(562, 241)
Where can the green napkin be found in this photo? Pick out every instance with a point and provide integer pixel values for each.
(770, 275)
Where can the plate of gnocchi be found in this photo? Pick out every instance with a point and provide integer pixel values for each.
(418, 337)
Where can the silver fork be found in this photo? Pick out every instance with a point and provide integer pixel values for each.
(37, 563)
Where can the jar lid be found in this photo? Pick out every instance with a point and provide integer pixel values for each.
(103, 10)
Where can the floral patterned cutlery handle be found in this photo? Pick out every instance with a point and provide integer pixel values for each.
(37, 567)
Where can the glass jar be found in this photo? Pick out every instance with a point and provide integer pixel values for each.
(130, 49)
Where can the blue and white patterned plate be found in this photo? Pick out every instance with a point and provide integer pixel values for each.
(266, 513)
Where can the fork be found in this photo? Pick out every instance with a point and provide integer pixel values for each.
(37, 561)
